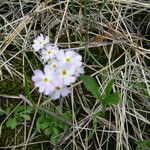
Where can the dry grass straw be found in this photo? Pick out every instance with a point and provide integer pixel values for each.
(116, 34)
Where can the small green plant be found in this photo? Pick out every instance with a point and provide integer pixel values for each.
(49, 125)
(18, 115)
(108, 98)
(52, 126)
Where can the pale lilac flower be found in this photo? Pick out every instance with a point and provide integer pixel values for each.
(66, 74)
(59, 89)
(42, 80)
(70, 58)
(49, 52)
(40, 42)
(61, 70)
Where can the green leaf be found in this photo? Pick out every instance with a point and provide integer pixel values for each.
(91, 134)
(12, 123)
(8, 110)
(41, 123)
(25, 116)
(91, 85)
(55, 131)
(67, 115)
(109, 87)
(54, 135)
(47, 131)
(19, 109)
(144, 145)
(62, 125)
(112, 99)
(53, 140)
(2, 112)
(27, 111)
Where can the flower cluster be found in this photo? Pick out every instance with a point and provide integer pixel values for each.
(61, 70)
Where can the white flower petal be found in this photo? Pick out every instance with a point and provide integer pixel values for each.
(65, 91)
(39, 84)
(71, 70)
(47, 91)
(39, 42)
(40, 37)
(46, 40)
(79, 71)
(58, 82)
(38, 73)
(36, 78)
(48, 72)
(41, 89)
(55, 95)
(61, 55)
(70, 54)
(68, 80)
(36, 47)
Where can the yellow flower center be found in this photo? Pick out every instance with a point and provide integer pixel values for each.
(45, 80)
(49, 51)
(54, 66)
(67, 60)
(57, 88)
(64, 72)
(40, 42)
